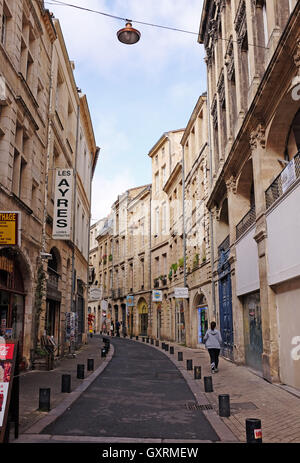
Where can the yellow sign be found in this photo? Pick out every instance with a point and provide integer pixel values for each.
(8, 228)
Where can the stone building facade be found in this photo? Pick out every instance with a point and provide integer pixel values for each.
(41, 111)
(252, 55)
(201, 306)
(165, 156)
(123, 256)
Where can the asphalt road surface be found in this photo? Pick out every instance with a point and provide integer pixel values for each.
(140, 394)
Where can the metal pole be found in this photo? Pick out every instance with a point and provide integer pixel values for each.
(224, 405)
(253, 431)
(208, 385)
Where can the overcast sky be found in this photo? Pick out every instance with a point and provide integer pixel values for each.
(135, 92)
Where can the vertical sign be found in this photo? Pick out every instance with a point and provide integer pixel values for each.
(10, 233)
(8, 351)
(63, 204)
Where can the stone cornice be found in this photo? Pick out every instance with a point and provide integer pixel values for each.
(278, 62)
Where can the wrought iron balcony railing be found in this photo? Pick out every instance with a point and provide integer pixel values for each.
(53, 278)
(283, 181)
(246, 222)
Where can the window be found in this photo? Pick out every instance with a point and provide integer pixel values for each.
(142, 234)
(163, 174)
(157, 221)
(265, 20)
(5, 23)
(4, 28)
(156, 182)
(164, 218)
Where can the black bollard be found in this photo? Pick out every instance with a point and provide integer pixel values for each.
(180, 356)
(197, 372)
(103, 352)
(157, 343)
(163, 346)
(253, 431)
(136, 338)
(167, 347)
(80, 371)
(189, 364)
(143, 339)
(90, 364)
(44, 399)
(66, 383)
(152, 341)
(171, 350)
(208, 385)
(224, 405)
(147, 340)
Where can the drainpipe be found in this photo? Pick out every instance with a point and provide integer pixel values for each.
(150, 266)
(47, 168)
(212, 253)
(48, 151)
(183, 219)
(74, 215)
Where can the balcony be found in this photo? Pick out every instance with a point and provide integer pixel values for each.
(53, 278)
(246, 222)
(120, 292)
(283, 181)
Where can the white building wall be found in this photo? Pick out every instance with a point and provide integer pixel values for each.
(283, 224)
(247, 273)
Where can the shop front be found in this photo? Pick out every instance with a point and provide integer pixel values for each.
(253, 331)
(179, 321)
(143, 317)
(12, 298)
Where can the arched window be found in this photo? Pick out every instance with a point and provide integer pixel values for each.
(293, 139)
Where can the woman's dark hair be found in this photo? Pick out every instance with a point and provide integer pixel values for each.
(213, 325)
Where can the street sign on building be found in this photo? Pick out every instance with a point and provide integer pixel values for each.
(157, 295)
(10, 226)
(104, 305)
(181, 293)
(130, 301)
(95, 293)
(62, 221)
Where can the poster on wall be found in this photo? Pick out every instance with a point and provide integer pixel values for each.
(62, 221)
(288, 176)
(70, 326)
(10, 228)
(8, 352)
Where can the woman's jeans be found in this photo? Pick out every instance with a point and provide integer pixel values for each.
(214, 357)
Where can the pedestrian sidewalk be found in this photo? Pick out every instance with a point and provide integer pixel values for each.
(250, 397)
(31, 381)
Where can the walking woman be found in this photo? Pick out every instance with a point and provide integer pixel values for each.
(213, 341)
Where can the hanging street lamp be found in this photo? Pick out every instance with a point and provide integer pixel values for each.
(128, 34)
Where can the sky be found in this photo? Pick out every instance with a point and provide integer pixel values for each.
(135, 92)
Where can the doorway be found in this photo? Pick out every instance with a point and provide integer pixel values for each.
(202, 323)
(253, 331)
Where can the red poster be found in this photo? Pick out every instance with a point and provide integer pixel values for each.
(7, 351)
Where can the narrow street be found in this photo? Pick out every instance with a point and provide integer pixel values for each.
(141, 394)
